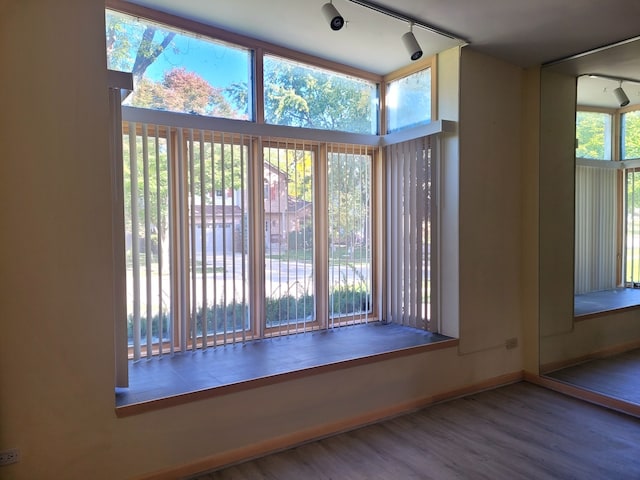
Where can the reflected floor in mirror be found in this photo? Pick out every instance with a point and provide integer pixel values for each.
(617, 376)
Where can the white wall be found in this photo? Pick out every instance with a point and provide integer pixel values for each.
(57, 400)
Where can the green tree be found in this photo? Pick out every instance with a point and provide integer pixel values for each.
(631, 150)
(592, 135)
(300, 96)
(134, 46)
(349, 197)
(631, 135)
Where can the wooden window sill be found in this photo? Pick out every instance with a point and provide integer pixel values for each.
(596, 304)
(167, 381)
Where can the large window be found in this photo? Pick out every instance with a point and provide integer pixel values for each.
(607, 212)
(188, 221)
(597, 206)
(186, 234)
(241, 231)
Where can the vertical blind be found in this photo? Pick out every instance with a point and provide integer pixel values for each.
(186, 236)
(211, 261)
(410, 237)
(596, 237)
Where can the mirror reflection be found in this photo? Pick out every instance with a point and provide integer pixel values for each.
(590, 222)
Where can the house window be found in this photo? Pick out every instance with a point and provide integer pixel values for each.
(597, 204)
(300, 95)
(607, 211)
(190, 287)
(186, 285)
(349, 173)
(630, 150)
(179, 72)
(594, 135)
(408, 101)
(240, 231)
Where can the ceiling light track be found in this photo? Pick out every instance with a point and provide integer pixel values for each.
(611, 77)
(405, 18)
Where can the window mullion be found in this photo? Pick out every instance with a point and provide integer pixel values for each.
(256, 238)
(321, 241)
(179, 241)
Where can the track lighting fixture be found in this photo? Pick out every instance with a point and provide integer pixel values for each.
(622, 98)
(411, 44)
(336, 21)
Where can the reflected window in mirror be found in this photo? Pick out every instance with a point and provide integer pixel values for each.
(593, 135)
(607, 209)
(630, 153)
(597, 215)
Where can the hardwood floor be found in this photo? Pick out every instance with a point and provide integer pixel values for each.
(616, 376)
(521, 431)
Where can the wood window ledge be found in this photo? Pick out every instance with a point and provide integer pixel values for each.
(166, 381)
(605, 302)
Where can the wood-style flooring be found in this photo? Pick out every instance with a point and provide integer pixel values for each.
(521, 431)
(616, 376)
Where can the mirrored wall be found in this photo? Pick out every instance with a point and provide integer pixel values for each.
(590, 222)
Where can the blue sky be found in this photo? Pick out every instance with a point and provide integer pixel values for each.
(218, 64)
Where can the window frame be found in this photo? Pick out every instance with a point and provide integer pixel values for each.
(374, 142)
(415, 67)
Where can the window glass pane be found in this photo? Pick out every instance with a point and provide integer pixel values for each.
(409, 101)
(147, 229)
(218, 237)
(593, 135)
(349, 208)
(632, 228)
(289, 230)
(178, 72)
(631, 135)
(300, 95)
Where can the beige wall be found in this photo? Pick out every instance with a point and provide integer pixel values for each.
(490, 201)
(557, 174)
(56, 397)
(529, 286)
(591, 337)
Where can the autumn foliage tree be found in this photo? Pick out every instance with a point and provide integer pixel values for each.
(183, 91)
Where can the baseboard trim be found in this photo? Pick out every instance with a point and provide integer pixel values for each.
(605, 352)
(295, 439)
(584, 394)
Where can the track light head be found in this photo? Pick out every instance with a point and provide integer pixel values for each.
(412, 45)
(336, 21)
(622, 98)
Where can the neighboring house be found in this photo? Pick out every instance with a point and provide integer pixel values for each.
(223, 228)
(283, 214)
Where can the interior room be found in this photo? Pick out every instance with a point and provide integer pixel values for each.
(340, 213)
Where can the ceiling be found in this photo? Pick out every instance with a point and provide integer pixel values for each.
(522, 32)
